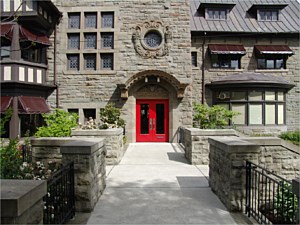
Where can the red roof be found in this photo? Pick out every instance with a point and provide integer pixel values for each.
(273, 49)
(6, 30)
(226, 49)
(5, 103)
(32, 105)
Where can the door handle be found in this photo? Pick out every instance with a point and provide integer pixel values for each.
(150, 124)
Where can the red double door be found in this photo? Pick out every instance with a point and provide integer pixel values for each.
(152, 120)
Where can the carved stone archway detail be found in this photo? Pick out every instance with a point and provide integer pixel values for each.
(146, 51)
(179, 85)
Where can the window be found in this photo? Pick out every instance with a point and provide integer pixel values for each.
(271, 61)
(226, 61)
(106, 61)
(73, 41)
(107, 40)
(90, 61)
(73, 61)
(74, 20)
(89, 114)
(256, 107)
(194, 59)
(268, 15)
(90, 40)
(216, 14)
(5, 48)
(90, 20)
(107, 20)
(153, 39)
(33, 53)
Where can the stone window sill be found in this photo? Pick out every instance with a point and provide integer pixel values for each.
(224, 70)
(90, 72)
(271, 71)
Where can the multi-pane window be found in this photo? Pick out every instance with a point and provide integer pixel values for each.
(90, 40)
(107, 61)
(255, 107)
(268, 14)
(90, 20)
(216, 14)
(107, 19)
(73, 41)
(107, 40)
(73, 61)
(74, 20)
(90, 61)
(226, 61)
(271, 62)
(194, 59)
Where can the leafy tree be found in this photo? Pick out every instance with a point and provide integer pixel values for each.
(214, 117)
(59, 124)
(7, 115)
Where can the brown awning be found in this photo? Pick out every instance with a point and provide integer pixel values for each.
(226, 49)
(6, 30)
(32, 105)
(273, 49)
(5, 103)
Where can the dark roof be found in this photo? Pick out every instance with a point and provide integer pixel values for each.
(241, 21)
(247, 79)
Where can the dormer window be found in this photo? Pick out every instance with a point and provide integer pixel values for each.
(216, 14)
(267, 14)
(215, 11)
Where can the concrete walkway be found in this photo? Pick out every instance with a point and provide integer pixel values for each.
(154, 184)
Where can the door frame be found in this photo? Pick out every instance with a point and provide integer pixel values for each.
(152, 137)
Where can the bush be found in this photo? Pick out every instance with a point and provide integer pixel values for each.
(59, 124)
(214, 117)
(110, 117)
(293, 136)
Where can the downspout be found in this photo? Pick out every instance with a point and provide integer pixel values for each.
(54, 69)
(203, 70)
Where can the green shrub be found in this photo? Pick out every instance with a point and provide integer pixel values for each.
(286, 203)
(110, 117)
(59, 124)
(11, 160)
(293, 136)
(214, 117)
(8, 113)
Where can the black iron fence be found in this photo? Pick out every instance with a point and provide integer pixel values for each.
(60, 200)
(269, 198)
(26, 153)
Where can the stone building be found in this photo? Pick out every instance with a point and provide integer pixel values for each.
(154, 58)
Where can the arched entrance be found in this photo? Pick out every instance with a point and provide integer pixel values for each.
(153, 99)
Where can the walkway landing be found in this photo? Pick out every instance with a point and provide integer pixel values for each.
(154, 184)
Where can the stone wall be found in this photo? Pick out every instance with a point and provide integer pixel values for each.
(22, 201)
(227, 173)
(227, 164)
(196, 143)
(113, 142)
(89, 170)
(89, 164)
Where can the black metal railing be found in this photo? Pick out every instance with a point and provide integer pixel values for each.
(269, 198)
(26, 153)
(60, 200)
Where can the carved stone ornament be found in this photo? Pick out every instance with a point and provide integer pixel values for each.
(151, 39)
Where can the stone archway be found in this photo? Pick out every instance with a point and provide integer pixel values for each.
(152, 84)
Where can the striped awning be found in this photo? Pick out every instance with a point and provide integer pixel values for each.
(6, 30)
(273, 49)
(218, 49)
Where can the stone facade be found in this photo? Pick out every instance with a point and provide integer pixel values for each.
(86, 89)
(113, 142)
(248, 64)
